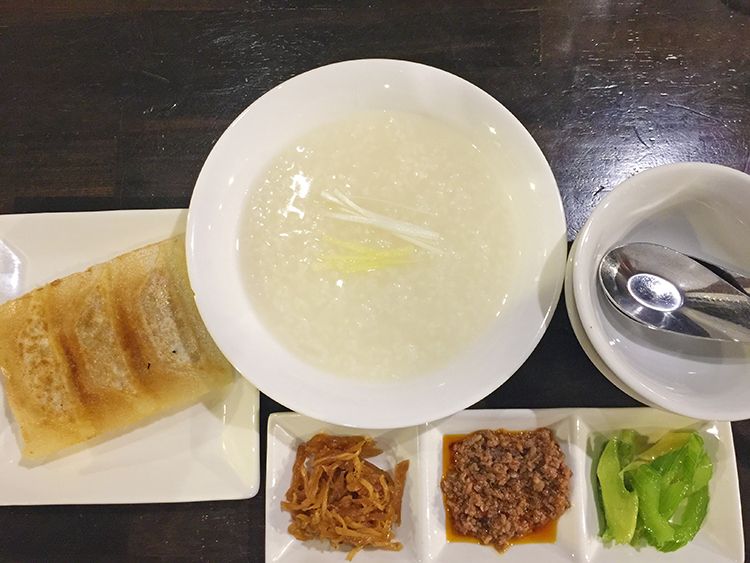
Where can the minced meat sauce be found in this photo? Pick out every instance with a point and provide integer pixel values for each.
(503, 485)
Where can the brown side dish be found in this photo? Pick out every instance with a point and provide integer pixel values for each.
(336, 495)
(98, 351)
(502, 487)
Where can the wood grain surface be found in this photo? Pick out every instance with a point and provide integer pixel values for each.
(109, 105)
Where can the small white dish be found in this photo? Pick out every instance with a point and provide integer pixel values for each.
(323, 95)
(208, 451)
(569, 541)
(720, 539)
(699, 209)
(286, 431)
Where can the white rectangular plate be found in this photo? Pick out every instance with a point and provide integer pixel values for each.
(423, 528)
(206, 452)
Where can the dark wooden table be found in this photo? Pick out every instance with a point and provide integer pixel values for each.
(108, 105)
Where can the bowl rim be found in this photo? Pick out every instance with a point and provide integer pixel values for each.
(583, 339)
(552, 273)
(584, 302)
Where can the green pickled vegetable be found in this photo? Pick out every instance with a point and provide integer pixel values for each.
(678, 473)
(629, 442)
(671, 497)
(647, 484)
(668, 443)
(655, 494)
(690, 521)
(703, 473)
(620, 505)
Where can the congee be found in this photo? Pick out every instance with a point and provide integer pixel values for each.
(380, 245)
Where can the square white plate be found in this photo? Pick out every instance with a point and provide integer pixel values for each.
(437, 548)
(577, 430)
(206, 452)
(721, 537)
(286, 431)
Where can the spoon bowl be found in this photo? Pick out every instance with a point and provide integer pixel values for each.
(667, 290)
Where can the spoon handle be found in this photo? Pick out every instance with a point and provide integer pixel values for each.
(738, 281)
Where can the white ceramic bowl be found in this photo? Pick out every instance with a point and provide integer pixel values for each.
(285, 113)
(699, 209)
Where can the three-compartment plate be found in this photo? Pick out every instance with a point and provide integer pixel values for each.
(208, 451)
(422, 531)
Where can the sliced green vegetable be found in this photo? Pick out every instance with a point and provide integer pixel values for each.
(676, 469)
(620, 504)
(629, 443)
(671, 497)
(680, 473)
(670, 442)
(690, 522)
(668, 482)
(647, 483)
(703, 472)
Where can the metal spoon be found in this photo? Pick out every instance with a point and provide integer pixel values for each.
(667, 290)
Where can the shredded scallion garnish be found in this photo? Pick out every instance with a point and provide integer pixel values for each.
(347, 210)
(352, 258)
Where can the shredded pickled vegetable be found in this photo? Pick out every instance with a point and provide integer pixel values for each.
(336, 495)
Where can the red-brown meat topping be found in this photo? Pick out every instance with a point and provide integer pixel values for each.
(503, 485)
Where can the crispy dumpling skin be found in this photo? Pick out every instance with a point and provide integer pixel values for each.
(98, 351)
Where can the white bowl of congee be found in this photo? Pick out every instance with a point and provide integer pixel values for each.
(376, 243)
